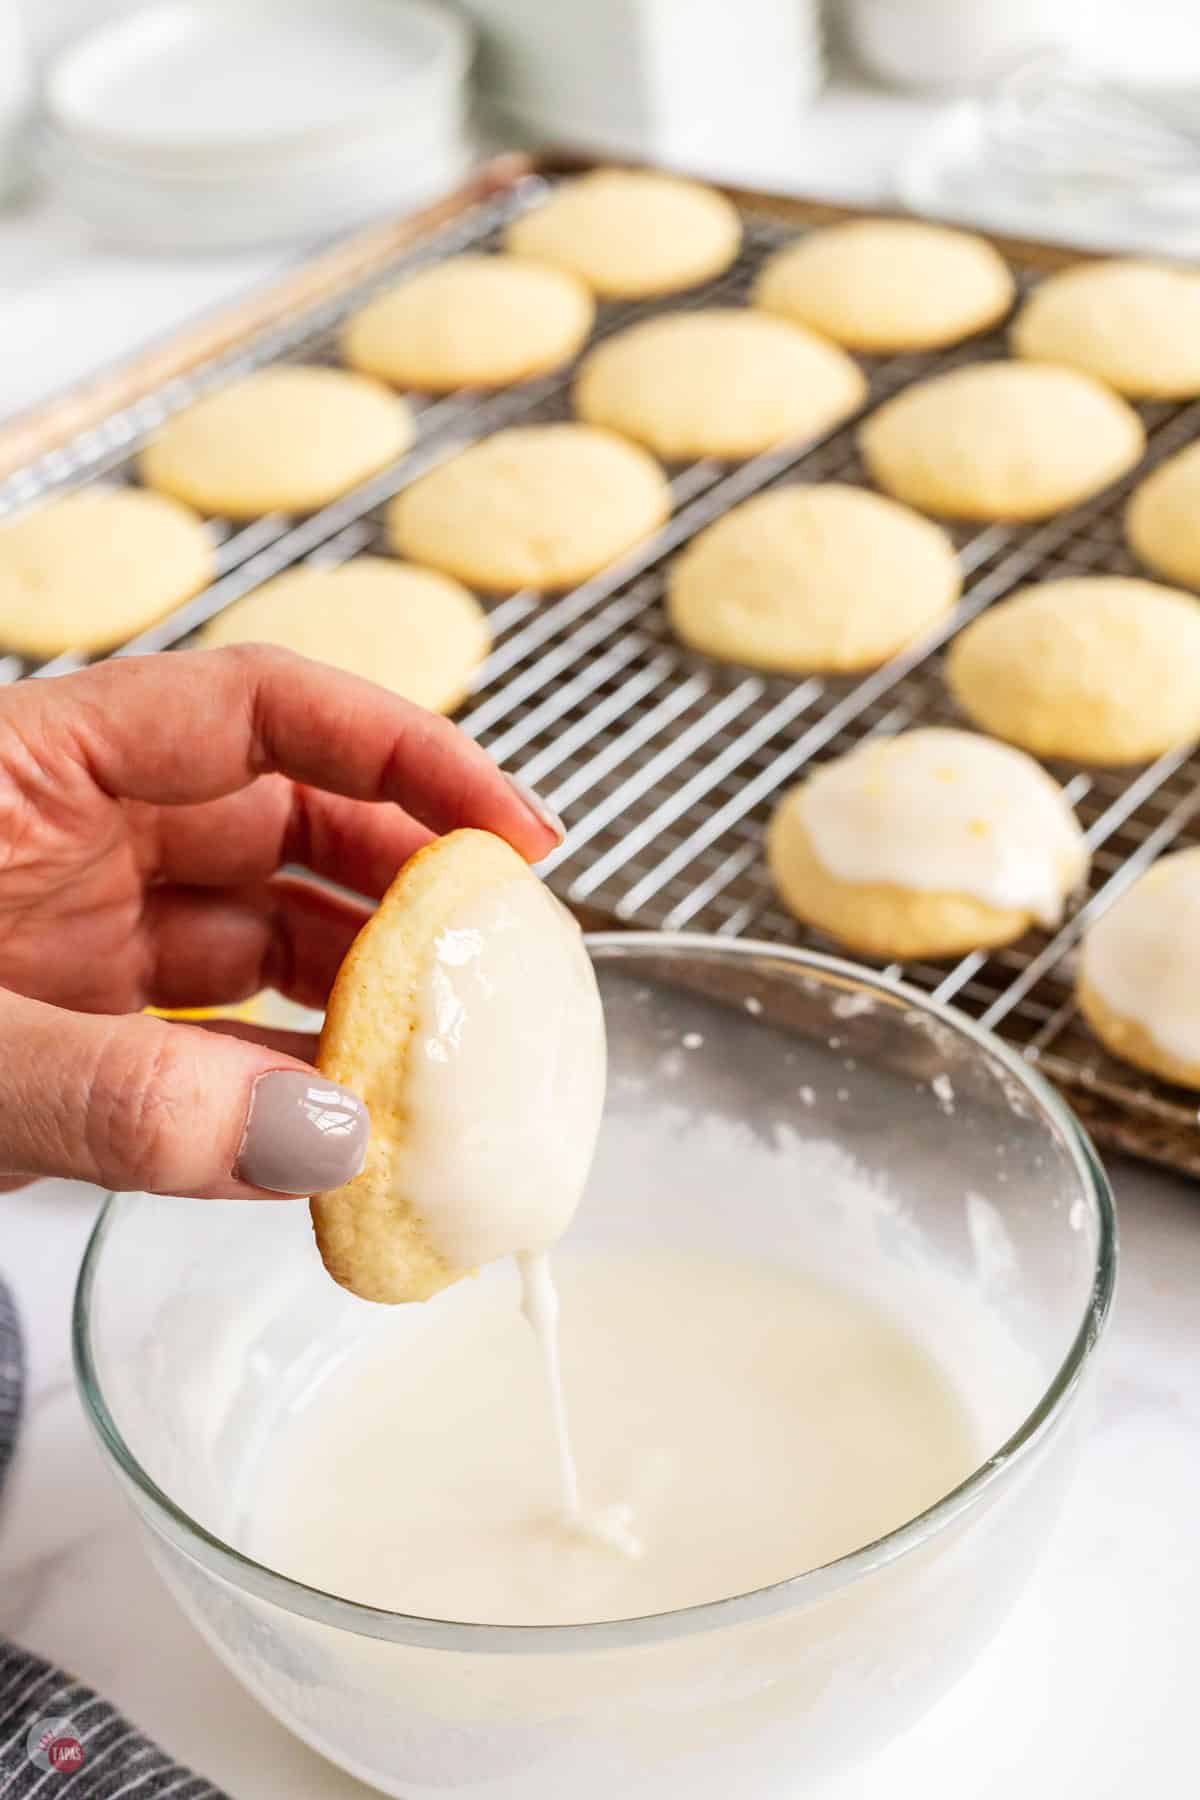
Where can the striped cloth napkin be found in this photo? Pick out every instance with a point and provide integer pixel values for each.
(56, 1736)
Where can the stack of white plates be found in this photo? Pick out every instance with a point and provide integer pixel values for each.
(206, 124)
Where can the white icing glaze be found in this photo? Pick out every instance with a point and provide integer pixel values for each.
(737, 1422)
(1140, 956)
(947, 812)
(505, 1081)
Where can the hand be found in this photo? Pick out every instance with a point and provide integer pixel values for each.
(146, 807)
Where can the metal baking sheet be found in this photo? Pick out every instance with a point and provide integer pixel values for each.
(665, 764)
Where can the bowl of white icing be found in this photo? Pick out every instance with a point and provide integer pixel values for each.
(827, 1320)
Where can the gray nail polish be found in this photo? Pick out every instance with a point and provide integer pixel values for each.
(302, 1134)
(536, 805)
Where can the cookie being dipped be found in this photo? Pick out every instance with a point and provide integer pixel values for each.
(466, 1015)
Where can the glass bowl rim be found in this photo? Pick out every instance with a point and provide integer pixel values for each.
(204, 1547)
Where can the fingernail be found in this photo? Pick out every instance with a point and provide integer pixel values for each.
(537, 806)
(302, 1135)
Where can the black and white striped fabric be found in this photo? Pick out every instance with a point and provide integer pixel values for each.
(58, 1738)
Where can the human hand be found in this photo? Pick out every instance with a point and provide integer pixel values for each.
(146, 807)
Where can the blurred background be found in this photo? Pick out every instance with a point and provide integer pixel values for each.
(156, 158)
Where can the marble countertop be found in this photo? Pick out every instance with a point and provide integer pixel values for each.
(1088, 1687)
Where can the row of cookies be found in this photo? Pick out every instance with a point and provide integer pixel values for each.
(86, 572)
(721, 381)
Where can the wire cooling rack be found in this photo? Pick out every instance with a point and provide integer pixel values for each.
(665, 764)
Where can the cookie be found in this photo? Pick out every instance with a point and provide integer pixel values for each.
(721, 382)
(537, 506)
(87, 571)
(929, 844)
(1001, 441)
(472, 321)
(1139, 978)
(466, 1015)
(1133, 325)
(879, 285)
(1162, 520)
(813, 578)
(631, 233)
(286, 439)
(409, 629)
(1100, 669)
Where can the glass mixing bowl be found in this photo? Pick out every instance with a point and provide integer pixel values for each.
(780, 1106)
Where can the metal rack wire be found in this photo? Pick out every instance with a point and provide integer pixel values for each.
(665, 764)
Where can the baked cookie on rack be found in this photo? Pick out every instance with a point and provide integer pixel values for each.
(466, 1014)
(88, 570)
(932, 843)
(722, 381)
(1162, 520)
(409, 629)
(1099, 669)
(536, 506)
(882, 285)
(286, 439)
(813, 578)
(1001, 441)
(1139, 977)
(472, 321)
(631, 234)
(1133, 325)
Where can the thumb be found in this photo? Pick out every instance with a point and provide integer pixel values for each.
(145, 1103)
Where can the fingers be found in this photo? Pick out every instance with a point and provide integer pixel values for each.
(212, 947)
(142, 1103)
(248, 836)
(195, 725)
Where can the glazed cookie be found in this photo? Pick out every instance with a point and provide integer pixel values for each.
(89, 570)
(467, 1017)
(1100, 669)
(630, 233)
(1139, 976)
(813, 578)
(1001, 441)
(888, 284)
(1133, 325)
(929, 844)
(286, 439)
(1162, 520)
(540, 506)
(720, 382)
(409, 629)
(473, 321)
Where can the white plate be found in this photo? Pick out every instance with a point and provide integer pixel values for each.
(217, 82)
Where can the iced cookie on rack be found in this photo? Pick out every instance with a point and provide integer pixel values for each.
(1134, 325)
(813, 578)
(286, 439)
(1001, 441)
(880, 285)
(1139, 974)
(631, 233)
(86, 571)
(472, 321)
(409, 629)
(1099, 669)
(1162, 520)
(928, 844)
(722, 381)
(536, 506)
(466, 1015)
